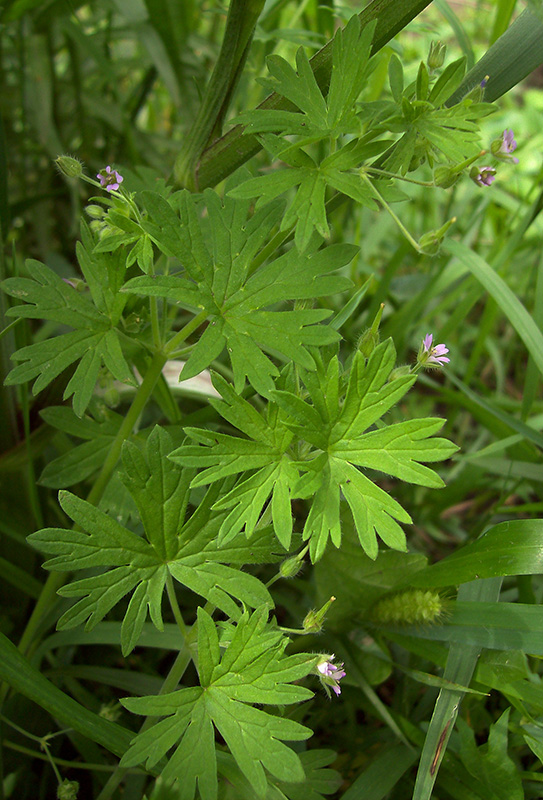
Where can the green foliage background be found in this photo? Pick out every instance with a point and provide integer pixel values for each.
(121, 83)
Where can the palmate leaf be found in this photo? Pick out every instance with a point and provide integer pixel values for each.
(333, 431)
(341, 434)
(93, 342)
(319, 118)
(318, 780)
(217, 254)
(252, 669)
(127, 563)
(219, 455)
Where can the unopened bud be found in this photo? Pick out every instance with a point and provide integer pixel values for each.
(314, 620)
(430, 242)
(370, 338)
(67, 790)
(399, 372)
(445, 177)
(436, 55)
(95, 212)
(290, 567)
(71, 167)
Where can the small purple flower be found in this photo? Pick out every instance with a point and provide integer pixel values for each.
(482, 176)
(110, 179)
(331, 674)
(432, 356)
(502, 148)
(508, 141)
(484, 81)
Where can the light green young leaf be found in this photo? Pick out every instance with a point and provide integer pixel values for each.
(336, 431)
(219, 455)
(320, 120)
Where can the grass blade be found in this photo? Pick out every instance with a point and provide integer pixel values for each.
(460, 666)
(514, 56)
(509, 303)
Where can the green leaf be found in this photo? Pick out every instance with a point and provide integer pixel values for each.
(83, 460)
(29, 682)
(252, 669)
(448, 81)
(233, 295)
(516, 54)
(133, 564)
(490, 765)
(506, 299)
(93, 342)
(350, 55)
(510, 548)
(160, 489)
(395, 77)
(397, 450)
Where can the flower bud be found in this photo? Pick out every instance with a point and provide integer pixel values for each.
(314, 620)
(436, 56)
(370, 338)
(399, 372)
(95, 212)
(430, 242)
(71, 167)
(290, 567)
(445, 177)
(67, 790)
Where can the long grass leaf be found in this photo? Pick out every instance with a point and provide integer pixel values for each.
(509, 303)
(514, 56)
(460, 666)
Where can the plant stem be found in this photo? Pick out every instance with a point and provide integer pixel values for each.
(141, 397)
(398, 177)
(240, 25)
(175, 606)
(396, 219)
(185, 332)
(57, 579)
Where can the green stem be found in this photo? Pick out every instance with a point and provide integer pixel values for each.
(398, 177)
(175, 606)
(155, 322)
(142, 395)
(396, 219)
(240, 25)
(56, 579)
(185, 332)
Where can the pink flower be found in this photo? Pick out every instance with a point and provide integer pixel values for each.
(109, 179)
(432, 356)
(482, 176)
(502, 148)
(330, 674)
